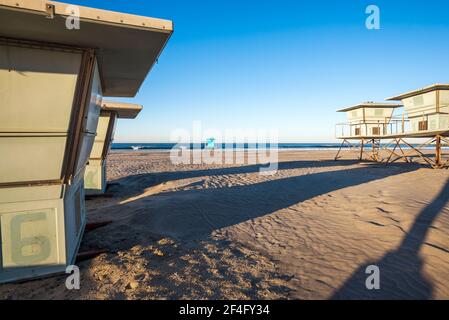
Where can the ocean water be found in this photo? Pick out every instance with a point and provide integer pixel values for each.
(169, 146)
(280, 146)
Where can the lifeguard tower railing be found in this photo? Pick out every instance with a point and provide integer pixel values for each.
(372, 130)
(365, 137)
(396, 145)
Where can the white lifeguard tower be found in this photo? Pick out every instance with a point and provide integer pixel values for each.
(52, 80)
(367, 123)
(95, 182)
(427, 109)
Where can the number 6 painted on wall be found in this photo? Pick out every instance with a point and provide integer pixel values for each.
(17, 243)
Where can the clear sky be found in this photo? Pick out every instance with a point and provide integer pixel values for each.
(285, 65)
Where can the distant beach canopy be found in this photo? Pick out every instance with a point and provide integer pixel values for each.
(210, 143)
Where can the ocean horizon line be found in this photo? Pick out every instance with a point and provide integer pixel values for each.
(191, 146)
(237, 146)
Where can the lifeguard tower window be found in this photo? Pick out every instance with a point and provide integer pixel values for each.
(376, 131)
(422, 125)
(378, 112)
(418, 101)
(357, 131)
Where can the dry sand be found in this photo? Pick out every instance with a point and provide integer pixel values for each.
(307, 232)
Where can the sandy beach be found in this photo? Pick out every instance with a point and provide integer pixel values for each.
(307, 232)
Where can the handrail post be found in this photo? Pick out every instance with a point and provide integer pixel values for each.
(403, 123)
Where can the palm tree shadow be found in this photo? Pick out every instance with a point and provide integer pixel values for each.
(401, 275)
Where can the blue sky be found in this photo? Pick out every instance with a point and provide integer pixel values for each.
(285, 65)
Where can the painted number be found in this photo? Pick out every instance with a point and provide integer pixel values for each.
(28, 250)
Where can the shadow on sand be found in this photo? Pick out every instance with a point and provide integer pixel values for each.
(191, 216)
(196, 213)
(401, 275)
(135, 184)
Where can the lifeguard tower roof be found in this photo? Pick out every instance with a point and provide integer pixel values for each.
(434, 87)
(123, 110)
(111, 34)
(371, 105)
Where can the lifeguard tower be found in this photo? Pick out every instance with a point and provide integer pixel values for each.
(95, 182)
(367, 123)
(427, 110)
(52, 80)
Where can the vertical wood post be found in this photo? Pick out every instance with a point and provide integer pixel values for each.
(339, 150)
(438, 151)
(361, 149)
(403, 123)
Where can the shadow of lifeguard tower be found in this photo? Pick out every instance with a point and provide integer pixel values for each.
(400, 270)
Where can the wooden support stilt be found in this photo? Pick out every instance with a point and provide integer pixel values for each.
(419, 153)
(87, 255)
(361, 149)
(403, 153)
(393, 152)
(339, 150)
(112, 184)
(397, 152)
(375, 147)
(100, 195)
(438, 151)
(444, 139)
(98, 224)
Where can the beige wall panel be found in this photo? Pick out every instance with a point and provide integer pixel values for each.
(36, 89)
(443, 121)
(444, 100)
(355, 115)
(32, 193)
(434, 122)
(95, 178)
(29, 238)
(33, 237)
(378, 114)
(102, 129)
(420, 104)
(97, 149)
(31, 158)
